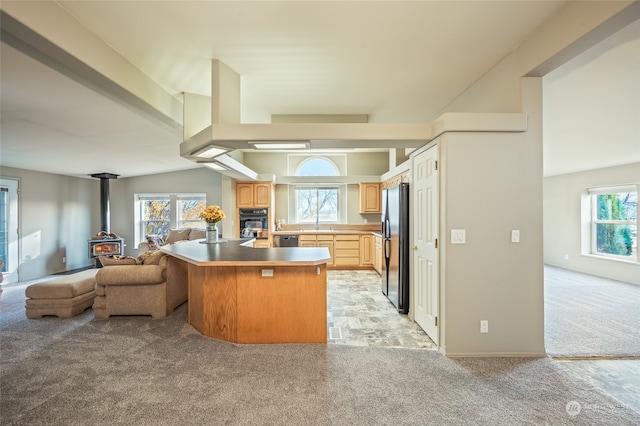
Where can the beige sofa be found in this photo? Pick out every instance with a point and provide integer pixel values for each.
(153, 242)
(156, 287)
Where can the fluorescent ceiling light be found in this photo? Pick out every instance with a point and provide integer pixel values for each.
(209, 151)
(280, 145)
(215, 166)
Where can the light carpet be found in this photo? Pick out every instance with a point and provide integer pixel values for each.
(588, 316)
(136, 370)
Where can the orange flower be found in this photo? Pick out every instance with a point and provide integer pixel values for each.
(212, 214)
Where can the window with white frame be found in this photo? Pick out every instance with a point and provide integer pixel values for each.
(317, 203)
(156, 214)
(614, 222)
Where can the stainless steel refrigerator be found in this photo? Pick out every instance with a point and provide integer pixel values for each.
(395, 246)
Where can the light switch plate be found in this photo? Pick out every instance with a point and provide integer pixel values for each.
(515, 236)
(458, 236)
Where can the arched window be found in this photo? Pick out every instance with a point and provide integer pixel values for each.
(317, 203)
(317, 166)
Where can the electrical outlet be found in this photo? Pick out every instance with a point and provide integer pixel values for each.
(484, 326)
(515, 236)
(64, 259)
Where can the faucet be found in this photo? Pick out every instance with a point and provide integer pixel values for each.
(317, 222)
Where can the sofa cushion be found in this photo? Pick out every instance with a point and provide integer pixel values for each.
(155, 241)
(65, 287)
(197, 234)
(117, 260)
(131, 275)
(177, 235)
(151, 257)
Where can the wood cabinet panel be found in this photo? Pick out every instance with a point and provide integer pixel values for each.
(262, 194)
(370, 197)
(347, 245)
(377, 255)
(250, 195)
(346, 261)
(244, 195)
(328, 244)
(239, 304)
(366, 250)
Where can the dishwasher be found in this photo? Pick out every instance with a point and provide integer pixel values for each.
(285, 241)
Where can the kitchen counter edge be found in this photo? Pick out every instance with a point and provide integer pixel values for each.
(239, 252)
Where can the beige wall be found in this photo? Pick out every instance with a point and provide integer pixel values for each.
(562, 226)
(351, 164)
(58, 215)
(489, 277)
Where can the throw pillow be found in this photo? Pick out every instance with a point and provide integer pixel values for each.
(197, 234)
(117, 260)
(177, 235)
(155, 241)
(151, 257)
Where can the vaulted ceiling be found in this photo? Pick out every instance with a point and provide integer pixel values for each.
(397, 62)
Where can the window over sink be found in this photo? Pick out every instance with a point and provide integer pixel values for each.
(317, 203)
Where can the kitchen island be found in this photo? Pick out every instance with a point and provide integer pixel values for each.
(244, 295)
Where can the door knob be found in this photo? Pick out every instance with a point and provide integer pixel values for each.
(414, 247)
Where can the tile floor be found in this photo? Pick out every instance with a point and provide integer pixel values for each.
(360, 315)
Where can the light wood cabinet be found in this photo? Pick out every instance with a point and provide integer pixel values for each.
(244, 195)
(254, 194)
(377, 254)
(317, 240)
(262, 194)
(326, 241)
(346, 250)
(366, 250)
(370, 197)
(261, 243)
(307, 241)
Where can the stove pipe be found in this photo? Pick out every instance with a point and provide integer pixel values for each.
(104, 199)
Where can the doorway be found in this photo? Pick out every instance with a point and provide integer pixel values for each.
(9, 229)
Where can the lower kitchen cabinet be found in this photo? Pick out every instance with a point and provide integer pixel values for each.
(346, 250)
(377, 254)
(366, 250)
(326, 241)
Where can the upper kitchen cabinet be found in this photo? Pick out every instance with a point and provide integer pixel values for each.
(370, 197)
(254, 194)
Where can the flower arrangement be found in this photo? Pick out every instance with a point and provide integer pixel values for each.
(212, 214)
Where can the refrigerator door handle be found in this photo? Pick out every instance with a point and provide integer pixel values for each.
(387, 252)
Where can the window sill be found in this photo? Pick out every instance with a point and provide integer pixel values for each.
(612, 259)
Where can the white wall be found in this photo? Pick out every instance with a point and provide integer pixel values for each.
(58, 215)
(562, 210)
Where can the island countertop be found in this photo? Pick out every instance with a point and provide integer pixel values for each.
(235, 252)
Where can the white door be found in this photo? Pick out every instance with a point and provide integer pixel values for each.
(425, 246)
(9, 229)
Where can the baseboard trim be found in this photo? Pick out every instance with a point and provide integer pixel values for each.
(495, 355)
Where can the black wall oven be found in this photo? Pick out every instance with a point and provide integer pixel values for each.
(254, 223)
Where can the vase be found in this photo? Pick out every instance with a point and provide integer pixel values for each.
(211, 232)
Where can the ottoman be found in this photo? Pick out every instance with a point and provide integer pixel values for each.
(63, 297)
